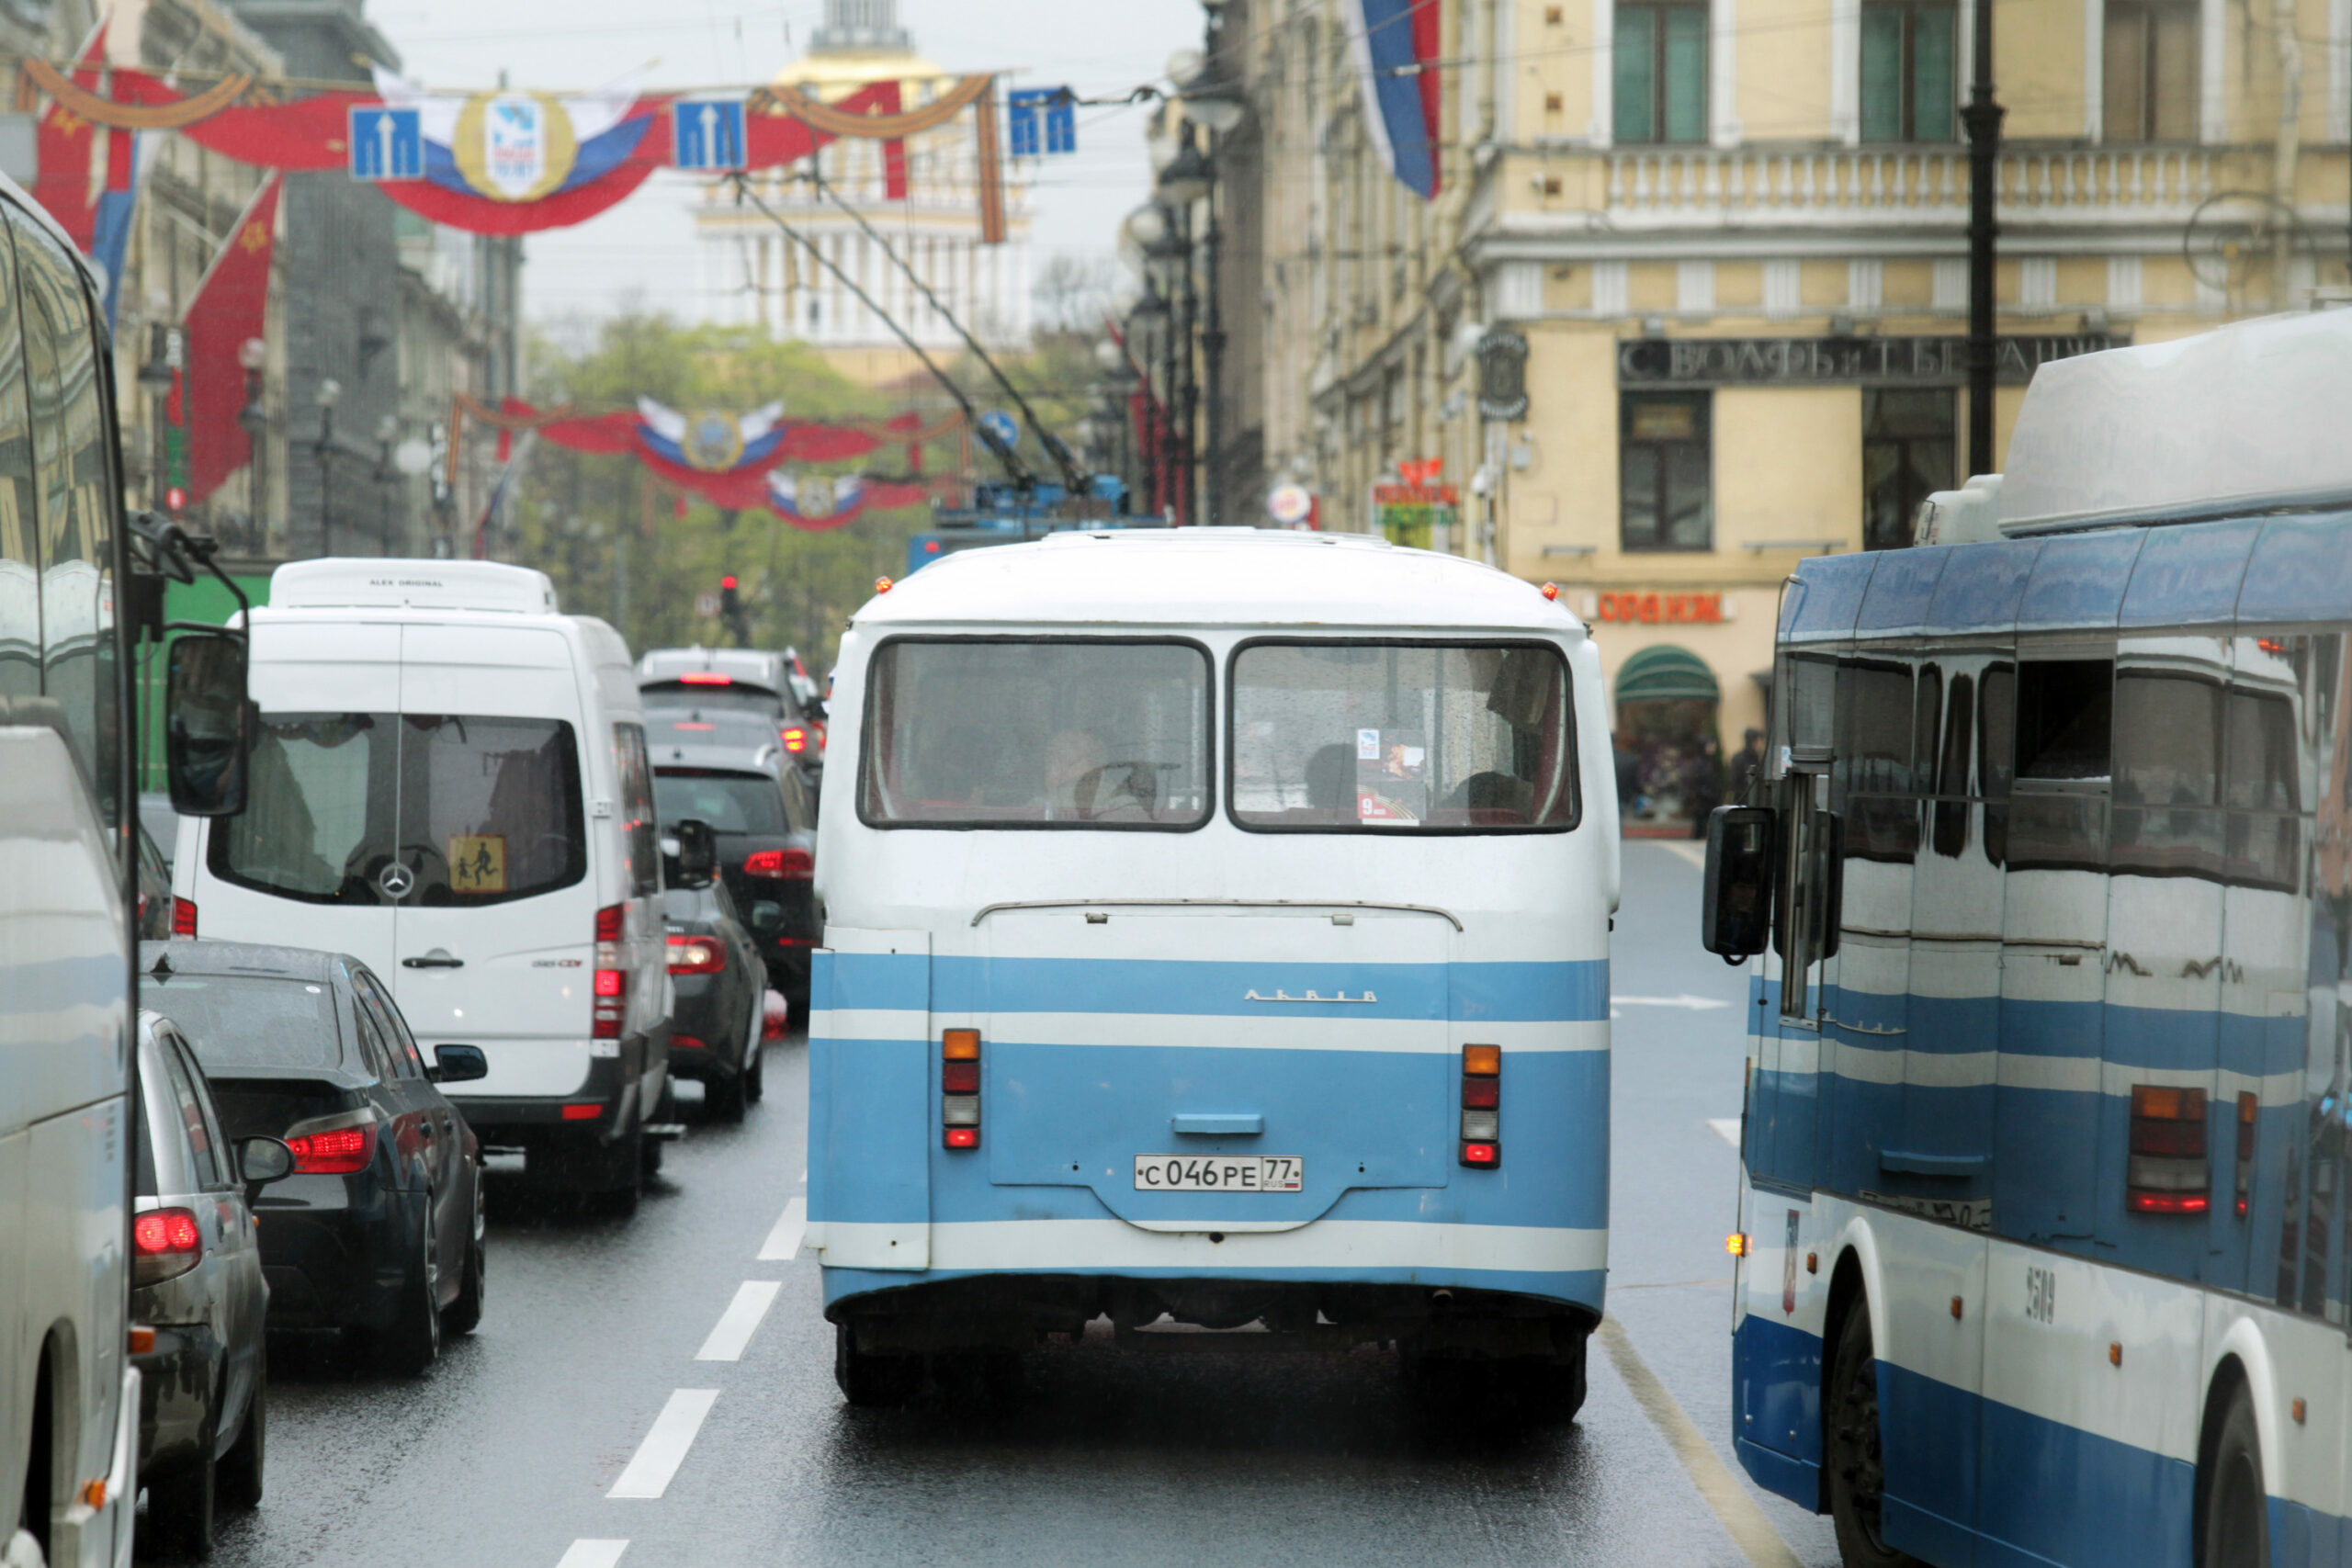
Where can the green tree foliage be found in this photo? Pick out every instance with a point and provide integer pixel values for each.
(619, 545)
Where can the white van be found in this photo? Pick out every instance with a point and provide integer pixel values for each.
(450, 782)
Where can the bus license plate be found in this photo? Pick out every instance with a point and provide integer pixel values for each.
(1219, 1173)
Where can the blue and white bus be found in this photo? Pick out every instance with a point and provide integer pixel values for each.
(2043, 1219)
(1217, 935)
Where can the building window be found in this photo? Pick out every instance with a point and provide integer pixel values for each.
(1661, 71)
(1909, 70)
(2151, 76)
(1910, 442)
(1663, 469)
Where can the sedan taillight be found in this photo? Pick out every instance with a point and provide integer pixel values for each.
(781, 865)
(163, 1242)
(696, 954)
(331, 1151)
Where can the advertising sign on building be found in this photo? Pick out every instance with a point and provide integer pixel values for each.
(1407, 513)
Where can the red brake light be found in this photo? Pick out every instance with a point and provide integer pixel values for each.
(959, 1077)
(695, 955)
(587, 1111)
(705, 678)
(1482, 1154)
(161, 1232)
(784, 865)
(337, 1153)
(963, 1138)
(611, 982)
(796, 739)
(687, 1043)
(183, 918)
(608, 922)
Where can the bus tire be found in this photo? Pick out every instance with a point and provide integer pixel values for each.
(2232, 1516)
(1855, 1462)
(869, 1381)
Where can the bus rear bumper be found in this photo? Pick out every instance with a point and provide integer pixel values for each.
(1776, 1473)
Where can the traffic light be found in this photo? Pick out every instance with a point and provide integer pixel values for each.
(729, 602)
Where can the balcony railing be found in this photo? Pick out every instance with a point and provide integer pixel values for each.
(1902, 185)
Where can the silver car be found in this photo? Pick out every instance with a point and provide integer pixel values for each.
(198, 1304)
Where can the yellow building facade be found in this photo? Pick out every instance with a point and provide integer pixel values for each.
(1732, 233)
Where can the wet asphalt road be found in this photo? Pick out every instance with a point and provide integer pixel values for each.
(503, 1454)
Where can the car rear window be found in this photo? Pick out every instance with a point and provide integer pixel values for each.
(242, 1021)
(483, 808)
(730, 803)
(735, 697)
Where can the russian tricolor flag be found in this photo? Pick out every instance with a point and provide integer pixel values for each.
(1396, 53)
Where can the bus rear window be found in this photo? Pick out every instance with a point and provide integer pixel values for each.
(1044, 733)
(1395, 737)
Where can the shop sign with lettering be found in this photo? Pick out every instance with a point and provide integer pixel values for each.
(1670, 609)
(1406, 514)
(1940, 361)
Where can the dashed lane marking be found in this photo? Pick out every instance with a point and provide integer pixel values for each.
(783, 1242)
(1726, 1497)
(1727, 1128)
(736, 1325)
(593, 1554)
(664, 1449)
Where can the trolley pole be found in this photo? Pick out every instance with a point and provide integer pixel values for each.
(1982, 118)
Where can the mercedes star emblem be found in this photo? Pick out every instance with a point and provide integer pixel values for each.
(396, 880)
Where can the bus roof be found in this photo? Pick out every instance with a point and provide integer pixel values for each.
(2241, 419)
(1216, 576)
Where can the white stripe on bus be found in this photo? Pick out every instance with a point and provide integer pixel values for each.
(1291, 1028)
(1048, 1244)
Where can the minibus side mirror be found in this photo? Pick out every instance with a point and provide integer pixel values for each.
(1736, 917)
(207, 724)
(698, 852)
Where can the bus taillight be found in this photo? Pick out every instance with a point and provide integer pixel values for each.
(1482, 1101)
(2248, 1103)
(959, 1089)
(2167, 1174)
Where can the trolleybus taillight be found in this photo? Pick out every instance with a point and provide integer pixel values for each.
(2167, 1173)
(2248, 1104)
(959, 1089)
(1482, 1106)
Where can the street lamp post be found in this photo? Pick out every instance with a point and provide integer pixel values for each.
(1982, 118)
(329, 393)
(1214, 99)
(253, 355)
(388, 430)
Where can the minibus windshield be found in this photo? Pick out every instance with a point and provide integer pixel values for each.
(1401, 737)
(482, 809)
(1048, 733)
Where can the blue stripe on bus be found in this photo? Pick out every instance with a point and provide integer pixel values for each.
(1579, 1287)
(1492, 993)
(1397, 1118)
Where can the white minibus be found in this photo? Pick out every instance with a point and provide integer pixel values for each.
(450, 782)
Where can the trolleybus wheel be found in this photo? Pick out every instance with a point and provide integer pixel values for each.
(869, 1379)
(2233, 1522)
(1857, 1464)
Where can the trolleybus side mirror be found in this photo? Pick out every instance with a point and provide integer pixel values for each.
(207, 724)
(1736, 909)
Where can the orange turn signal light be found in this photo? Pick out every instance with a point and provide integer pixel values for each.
(960, 1044)
(1482, 1060)
(94, 1494)
(142, 1339)
(1551, 591)
(881, 585)
(1736, 1243)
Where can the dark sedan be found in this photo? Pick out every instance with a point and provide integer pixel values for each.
(379, 1232)
(729, 771)
(718, 986)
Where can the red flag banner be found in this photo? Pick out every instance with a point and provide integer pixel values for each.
(229, 308)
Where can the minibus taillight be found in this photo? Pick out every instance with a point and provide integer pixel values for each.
(1482, 1106)
(2167, 1173)
(163, 1242)
(781, 865)
(183, 918)
(610, 989)
(959, 1089)
(2248, 1104)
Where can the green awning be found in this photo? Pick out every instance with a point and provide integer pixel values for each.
(1665, 672)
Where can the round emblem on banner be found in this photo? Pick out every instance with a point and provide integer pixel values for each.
(514, 146)
(814, 496)
(713, 443)
(1289, 504)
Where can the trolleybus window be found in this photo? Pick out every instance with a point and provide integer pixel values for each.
(972, 732)
(1402, 737)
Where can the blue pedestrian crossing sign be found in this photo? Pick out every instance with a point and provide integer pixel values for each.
(387, 144)
(1041, 120)
(998, 423)
(707, 133)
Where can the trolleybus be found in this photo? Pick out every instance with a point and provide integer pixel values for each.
(1217, 940)
(2043, 1235)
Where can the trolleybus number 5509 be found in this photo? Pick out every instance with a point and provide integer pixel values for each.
(1219, 1173)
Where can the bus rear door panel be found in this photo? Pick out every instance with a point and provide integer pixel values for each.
(874, 1107)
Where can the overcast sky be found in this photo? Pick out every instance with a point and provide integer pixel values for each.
(644, 250)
